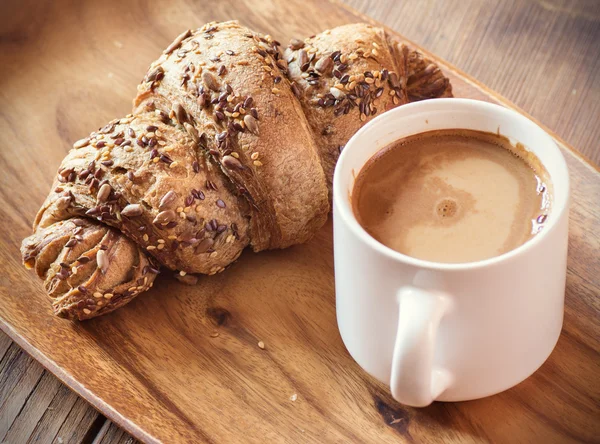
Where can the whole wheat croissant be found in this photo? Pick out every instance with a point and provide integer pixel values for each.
(231, 143)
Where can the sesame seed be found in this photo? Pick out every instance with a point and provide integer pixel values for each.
(293, 397)
(257, 163)
(214, 334)
(150, 247)
(86, 311)
(254, 156)
(145, 237)
(97, 295)
(261, 345)
(108, 295)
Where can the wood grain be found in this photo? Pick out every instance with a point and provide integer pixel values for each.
(112, 434)
(542, 55)
(35, 406)
(154, 367)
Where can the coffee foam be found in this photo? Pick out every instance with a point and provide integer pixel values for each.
(451, 195)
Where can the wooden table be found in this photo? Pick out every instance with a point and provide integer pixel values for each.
(543, 56)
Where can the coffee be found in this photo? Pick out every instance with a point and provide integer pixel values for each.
(452, 196)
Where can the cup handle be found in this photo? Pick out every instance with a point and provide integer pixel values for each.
(414, 380)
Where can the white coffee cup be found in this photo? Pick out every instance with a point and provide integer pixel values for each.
(449, 332)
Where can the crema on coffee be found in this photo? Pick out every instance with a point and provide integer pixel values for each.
(452, 196)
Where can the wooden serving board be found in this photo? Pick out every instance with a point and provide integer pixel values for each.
(154, 367)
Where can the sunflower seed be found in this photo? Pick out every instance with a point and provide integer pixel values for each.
(251, 123)
(192, 132)
(180, 38)
(180, 113)
(165, 217)
(283, 65)
(296, 90)
(81, 143)
(338, 94)
(102, 261)
(132, 210)
(103, 193)
(231, 163)
(210, 81)
(108, 128)
(303, 60)
(393, 80)
(167, 200)
(324, 65)
(156, 74)
(296, 44)
(204, 245)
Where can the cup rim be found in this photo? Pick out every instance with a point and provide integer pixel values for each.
(341, 202)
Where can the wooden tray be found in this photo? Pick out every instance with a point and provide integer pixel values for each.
(153, 366)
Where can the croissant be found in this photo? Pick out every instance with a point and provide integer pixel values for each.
(231, 144)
